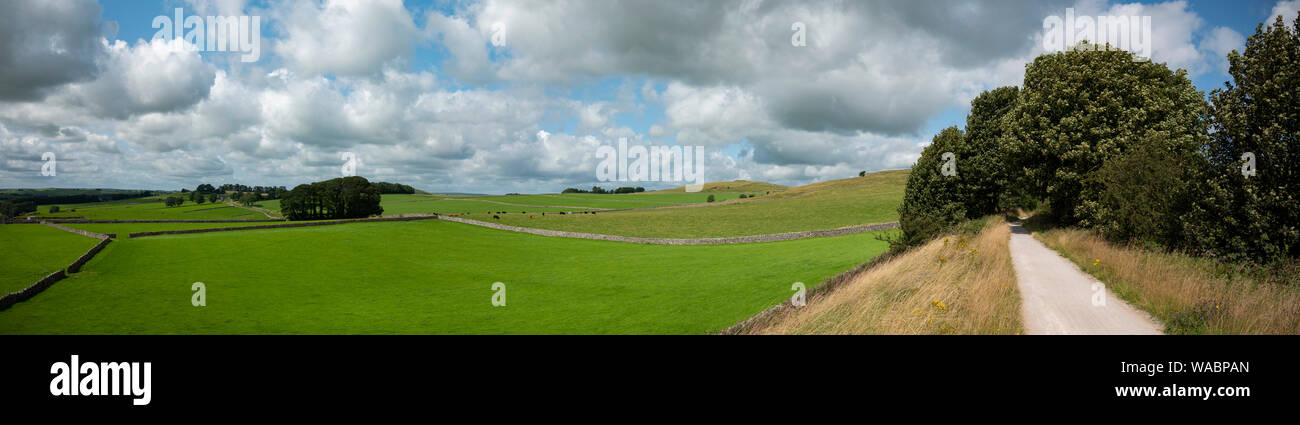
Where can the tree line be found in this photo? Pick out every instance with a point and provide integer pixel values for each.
(1098, 139)
(603, 191)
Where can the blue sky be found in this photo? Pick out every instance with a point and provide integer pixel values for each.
(422, 95)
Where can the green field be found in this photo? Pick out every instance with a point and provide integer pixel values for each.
(407, 204)
(135, 210)
(33, 251)
(425, 277)
(122, 230)
(828, 205)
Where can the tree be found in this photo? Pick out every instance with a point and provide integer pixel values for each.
(249, 198)
(214, 198)
(174, 201)
(711, 199)
(1081, 108)
(933, 201)
(54, 209)
(1256, 116)
(862, 174)
(984, 177)
(205, 189)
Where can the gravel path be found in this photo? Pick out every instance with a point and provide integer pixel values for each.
(1060, 299)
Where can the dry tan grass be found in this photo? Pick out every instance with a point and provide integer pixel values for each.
(960, 284)
(1174, 286)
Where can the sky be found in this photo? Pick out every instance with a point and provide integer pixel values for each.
(518, 96)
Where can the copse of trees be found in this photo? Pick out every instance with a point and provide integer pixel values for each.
(344, 197)
(15, 207)
(1133, 150)
(174, 201)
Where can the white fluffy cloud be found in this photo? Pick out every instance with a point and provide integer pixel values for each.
(1287, 9)
(345, 37)
(527, 115)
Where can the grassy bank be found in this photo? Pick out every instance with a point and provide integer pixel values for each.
(959, 284)
(1190, 295)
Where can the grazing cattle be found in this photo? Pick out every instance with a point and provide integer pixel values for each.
(530, 216)
(496, 217)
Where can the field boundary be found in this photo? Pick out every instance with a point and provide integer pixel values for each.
(822, 288)
(284, 225)
(773, 237)
(272, 220)
(8, 300)
(80, 232)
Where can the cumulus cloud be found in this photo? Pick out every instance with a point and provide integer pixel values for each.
(156, 76)
(346, 37)
(528, 114)
(1287, 9)
(45, 44)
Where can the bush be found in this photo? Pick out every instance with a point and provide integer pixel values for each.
(1145, 192)
(711, 199)
(54, 209)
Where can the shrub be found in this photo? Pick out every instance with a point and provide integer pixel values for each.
(711, 199)
(1145, 192)
(54, 209)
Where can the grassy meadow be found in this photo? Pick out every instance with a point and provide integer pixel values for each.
(424, 277)
(140, 209)
(33, 251)
(828, 205)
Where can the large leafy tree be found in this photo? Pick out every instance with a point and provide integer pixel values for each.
(1257, 113)
(1080, 108)
(933, 201)
(985, 177)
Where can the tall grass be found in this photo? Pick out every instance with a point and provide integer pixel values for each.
(1189, 294)
(959, 284)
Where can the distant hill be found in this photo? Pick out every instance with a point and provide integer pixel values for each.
(734, 186)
